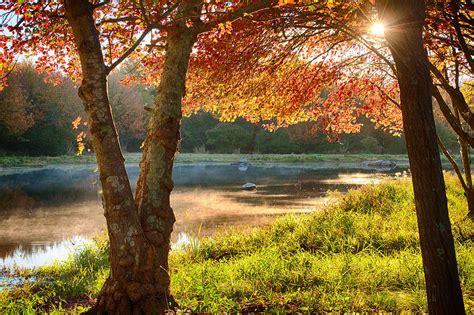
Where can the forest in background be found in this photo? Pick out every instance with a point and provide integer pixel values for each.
(39, 117)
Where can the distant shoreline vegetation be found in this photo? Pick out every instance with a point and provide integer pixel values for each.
(133, 158)
(187, 158)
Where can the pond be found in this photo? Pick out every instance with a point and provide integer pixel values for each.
(45, 213)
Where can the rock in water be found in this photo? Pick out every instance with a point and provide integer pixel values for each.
(249, 186)
(243, 167)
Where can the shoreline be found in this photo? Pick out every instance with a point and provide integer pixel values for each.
(188, 158)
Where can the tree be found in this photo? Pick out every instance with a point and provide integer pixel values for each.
(14, 108)
(128, 104)
(193, 131)
(452, 67)
(404, 20)
(227, 138)
(139, 228)
(296, 76)
(36, 115)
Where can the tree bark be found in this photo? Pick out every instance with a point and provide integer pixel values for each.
(470, 203)
(469, 192)
(135, 284)
(404, 22)
(161, 143)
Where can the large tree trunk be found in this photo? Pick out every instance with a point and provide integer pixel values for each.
(139, 231)
(404, 22)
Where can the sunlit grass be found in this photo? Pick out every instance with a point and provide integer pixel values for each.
(360, 254)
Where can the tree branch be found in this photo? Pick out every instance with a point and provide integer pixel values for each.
(456, 96)
(99, 4)
(460, 37)
(129, 50)
(450, 118)
(239, 13)
(453, 163)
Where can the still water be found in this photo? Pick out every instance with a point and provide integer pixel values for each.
(45, 213)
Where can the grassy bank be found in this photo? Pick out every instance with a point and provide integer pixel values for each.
(359, 254)
(134, 158)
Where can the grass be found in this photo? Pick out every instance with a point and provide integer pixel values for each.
(360, 254)
(29, 161)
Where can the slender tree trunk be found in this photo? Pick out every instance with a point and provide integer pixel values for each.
(469, 192)
(404, 20)
(161, 143)
(470, 203)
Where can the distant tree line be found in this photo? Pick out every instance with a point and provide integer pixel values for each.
(36, 119)
(203, 132)
(37, 115)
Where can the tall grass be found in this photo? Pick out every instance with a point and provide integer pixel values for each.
(359, 254)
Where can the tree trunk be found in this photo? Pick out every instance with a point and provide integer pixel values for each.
(138, 282)
(470, 203)
(161, 143)
(404, 22)
(469, 193)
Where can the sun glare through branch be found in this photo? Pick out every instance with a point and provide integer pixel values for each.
(377, 29)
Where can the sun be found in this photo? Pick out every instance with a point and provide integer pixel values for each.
(377, 29)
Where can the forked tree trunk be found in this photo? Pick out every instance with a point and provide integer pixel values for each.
(404, 21)
(139, 230)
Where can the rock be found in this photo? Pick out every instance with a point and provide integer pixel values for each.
(243, 164)
(243, 167)
(249, 186)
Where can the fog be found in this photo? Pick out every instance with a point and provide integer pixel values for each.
(42, 208)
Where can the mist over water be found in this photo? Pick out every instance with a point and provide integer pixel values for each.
(45, 213)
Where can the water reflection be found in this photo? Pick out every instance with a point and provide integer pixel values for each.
(41, 253)
(40, 208)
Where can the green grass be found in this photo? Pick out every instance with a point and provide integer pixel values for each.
(29, 161)
(360, 254)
